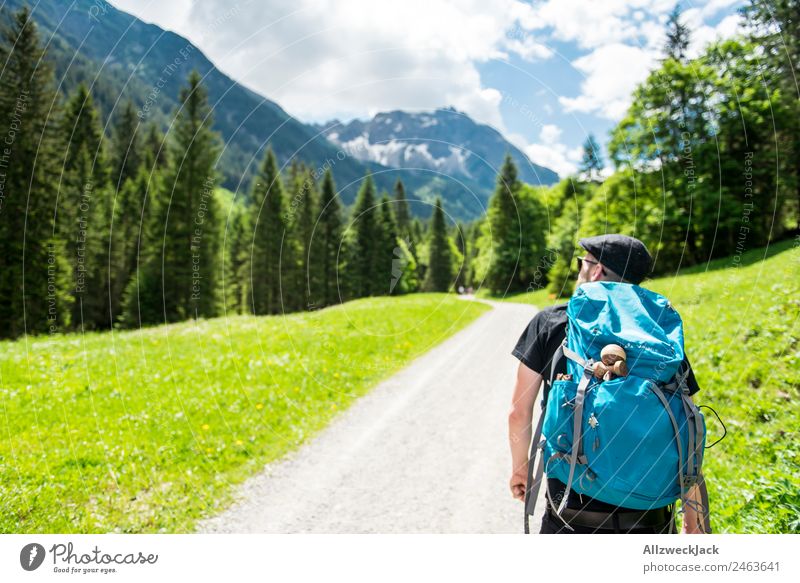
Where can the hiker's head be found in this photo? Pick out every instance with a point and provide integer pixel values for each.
(613, 258)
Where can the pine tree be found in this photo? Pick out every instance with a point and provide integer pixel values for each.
(774, 26)
(592, 162)
(501, 241)
(362, 251)
(84, 207)
(125, 235)
(291, 268)
(561, 242)
(417, 235)
(327, 240)
(405, 272)
(678, 36)
(141, 299)
(474, 252)
(461, 238)
(402, 214)
(236, 253)
(305, 207)
(81, 132)
(439, 276)
(154, 148)
(33, 287)
(389, 257)
(186, 257)
(126, 156)
(412, 244)
(268, 226)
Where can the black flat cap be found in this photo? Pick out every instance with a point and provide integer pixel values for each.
(625, 256)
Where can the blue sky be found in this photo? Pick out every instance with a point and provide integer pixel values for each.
(544, 73)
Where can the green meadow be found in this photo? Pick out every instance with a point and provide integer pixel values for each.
(742, 328)
(149, 430)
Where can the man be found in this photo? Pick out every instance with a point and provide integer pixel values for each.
(608, 258)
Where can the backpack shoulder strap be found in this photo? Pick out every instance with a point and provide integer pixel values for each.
(535, 478)
(559, 354)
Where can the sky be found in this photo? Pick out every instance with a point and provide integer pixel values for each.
(544, 73)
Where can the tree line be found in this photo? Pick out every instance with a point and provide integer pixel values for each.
(129, 227)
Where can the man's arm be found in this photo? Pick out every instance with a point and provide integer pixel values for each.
(690, 515)
(520, 419)
(692, 521)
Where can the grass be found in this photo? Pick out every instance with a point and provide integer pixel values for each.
(742, 328)
(148, 431)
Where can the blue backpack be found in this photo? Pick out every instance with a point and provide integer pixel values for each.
(634, 441)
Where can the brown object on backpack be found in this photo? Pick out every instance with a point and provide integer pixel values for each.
(612, 353)
(613, 362)
(599, 369)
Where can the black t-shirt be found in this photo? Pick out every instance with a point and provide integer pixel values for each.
(535, 349)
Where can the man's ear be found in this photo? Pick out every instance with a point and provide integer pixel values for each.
(597, 273)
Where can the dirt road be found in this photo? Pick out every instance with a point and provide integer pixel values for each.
(425, 451)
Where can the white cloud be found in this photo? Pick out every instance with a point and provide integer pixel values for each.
(349, 58)
(703, 34)
(550, 133)
(352, 58)
(729, 26)
(528, 48)
(593, 23)
(612, 72)
(173, 14)
(553, 154)
(712, 7)
(616, 65)
(482, 105)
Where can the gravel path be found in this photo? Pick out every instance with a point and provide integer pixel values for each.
(425, 451)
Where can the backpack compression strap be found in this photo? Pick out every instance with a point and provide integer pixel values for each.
(687, 478)
(695, 460)
(694, 473)
(704, 511)
(576, 454)
(534, 482)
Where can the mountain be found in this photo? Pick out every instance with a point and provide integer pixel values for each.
(445, 141)
(121, 57)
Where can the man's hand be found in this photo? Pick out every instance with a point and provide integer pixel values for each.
(689, 529)
(518, 482)
(691, 518)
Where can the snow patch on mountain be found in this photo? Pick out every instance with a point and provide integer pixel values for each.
(397, 153)
(445, 141)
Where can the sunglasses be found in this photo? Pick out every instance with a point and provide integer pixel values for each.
(582, 259)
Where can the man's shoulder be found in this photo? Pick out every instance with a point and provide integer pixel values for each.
(556, 314)
(547, 319)
(557, 308)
